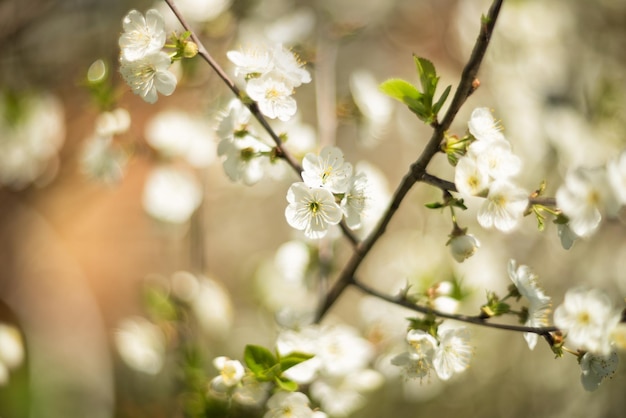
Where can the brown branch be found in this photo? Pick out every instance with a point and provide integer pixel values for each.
(418, 168)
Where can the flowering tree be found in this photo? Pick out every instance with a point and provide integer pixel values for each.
(315, 364)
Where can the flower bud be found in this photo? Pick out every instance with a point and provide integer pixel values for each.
(190, 50)
(463, 246)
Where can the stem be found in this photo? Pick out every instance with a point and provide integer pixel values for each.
(253, 107)
(476, 320)
(417, 170)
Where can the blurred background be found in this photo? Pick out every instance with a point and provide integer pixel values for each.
(80, 245)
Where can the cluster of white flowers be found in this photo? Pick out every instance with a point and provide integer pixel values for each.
(327, 179)
(487, 170)
(339, 373)
(447, 353)
(101, 158)
(588, 193)
(143, 64)
(291, 404)
(11, 351)
(271, 74)
(539, 307)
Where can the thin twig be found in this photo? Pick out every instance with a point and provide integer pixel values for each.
(418, 169)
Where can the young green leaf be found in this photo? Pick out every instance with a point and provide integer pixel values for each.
(442, 100)
(401, 90)
(428, 77)
(286, 384)
(293, 359)
(258, 359)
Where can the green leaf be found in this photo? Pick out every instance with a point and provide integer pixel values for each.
(286, 384)
(293, 359)
(441, 101)
(259, 359)
(428, 77)
(401, 90)
(435, 205)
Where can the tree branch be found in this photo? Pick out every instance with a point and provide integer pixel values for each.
(418, 169)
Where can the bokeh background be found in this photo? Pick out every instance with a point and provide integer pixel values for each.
(75, 253)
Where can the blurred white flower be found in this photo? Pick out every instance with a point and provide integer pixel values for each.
(588, 319)
(311, 210)
(171, 195)
(496, 158)
(203, 10)
(539, 307)
(616, 173)
(111, 123)
(256, 60)
(142, 35)
(471, 177)
(102, 160)
(251, 392)
(341, 396)
(141, 344)
(246, 158)
(149, 75)
(287, 66)
(176, 133)
(213, 307)
(375, 106)
(583, 195)
(354, 202)
(293, 27)
(11, 351)
(504, 206)
(234, 121)
(454, 352)
(288, 405)
(30, 141)
(595, 368)
(231, 373)
(378, 194)
(417, 362)
(483, 126)
(327, 170)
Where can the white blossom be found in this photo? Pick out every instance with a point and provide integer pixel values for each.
(328, 170)
(583, 195)
(453, 354)
(483, 126)
(142, 35)
(354, 202)
(288, 67)
(616, 174)
(341, 396)
(111, 123)
(231, 373)
(245, 158)
(149, 75)
(257, 60)
(595, 368)
(539, 307)
(100, 159)
(288, 405)
(496, 158)
(504, 206)
(312, 210)
(273, 96)
(588, 318)
(471, 177)
(234, 121)
(417, 362)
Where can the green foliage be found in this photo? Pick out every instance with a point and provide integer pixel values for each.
(268, 367)
(158, 304)
(494, 306)
(419, 102)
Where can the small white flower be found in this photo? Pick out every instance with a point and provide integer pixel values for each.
(311, 210)
(527, 285)
(417, 362)
(328, 170)
(234, 121)
(504, 206)
(288, 405)
(584, 193)
(273, 96)
(496, 158)
(596, 368)
(171, 195)
(255, 61)
(141, 345)
(471, 177)
(354, 201)
(142, 36)
(453, 354)
(231, 373)
(376, 108)
(463, 246)
(288, 67)
(483, 126)
(244, 159)
(111, 123)
(588, 318)
(149, 75)
(616, 173)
